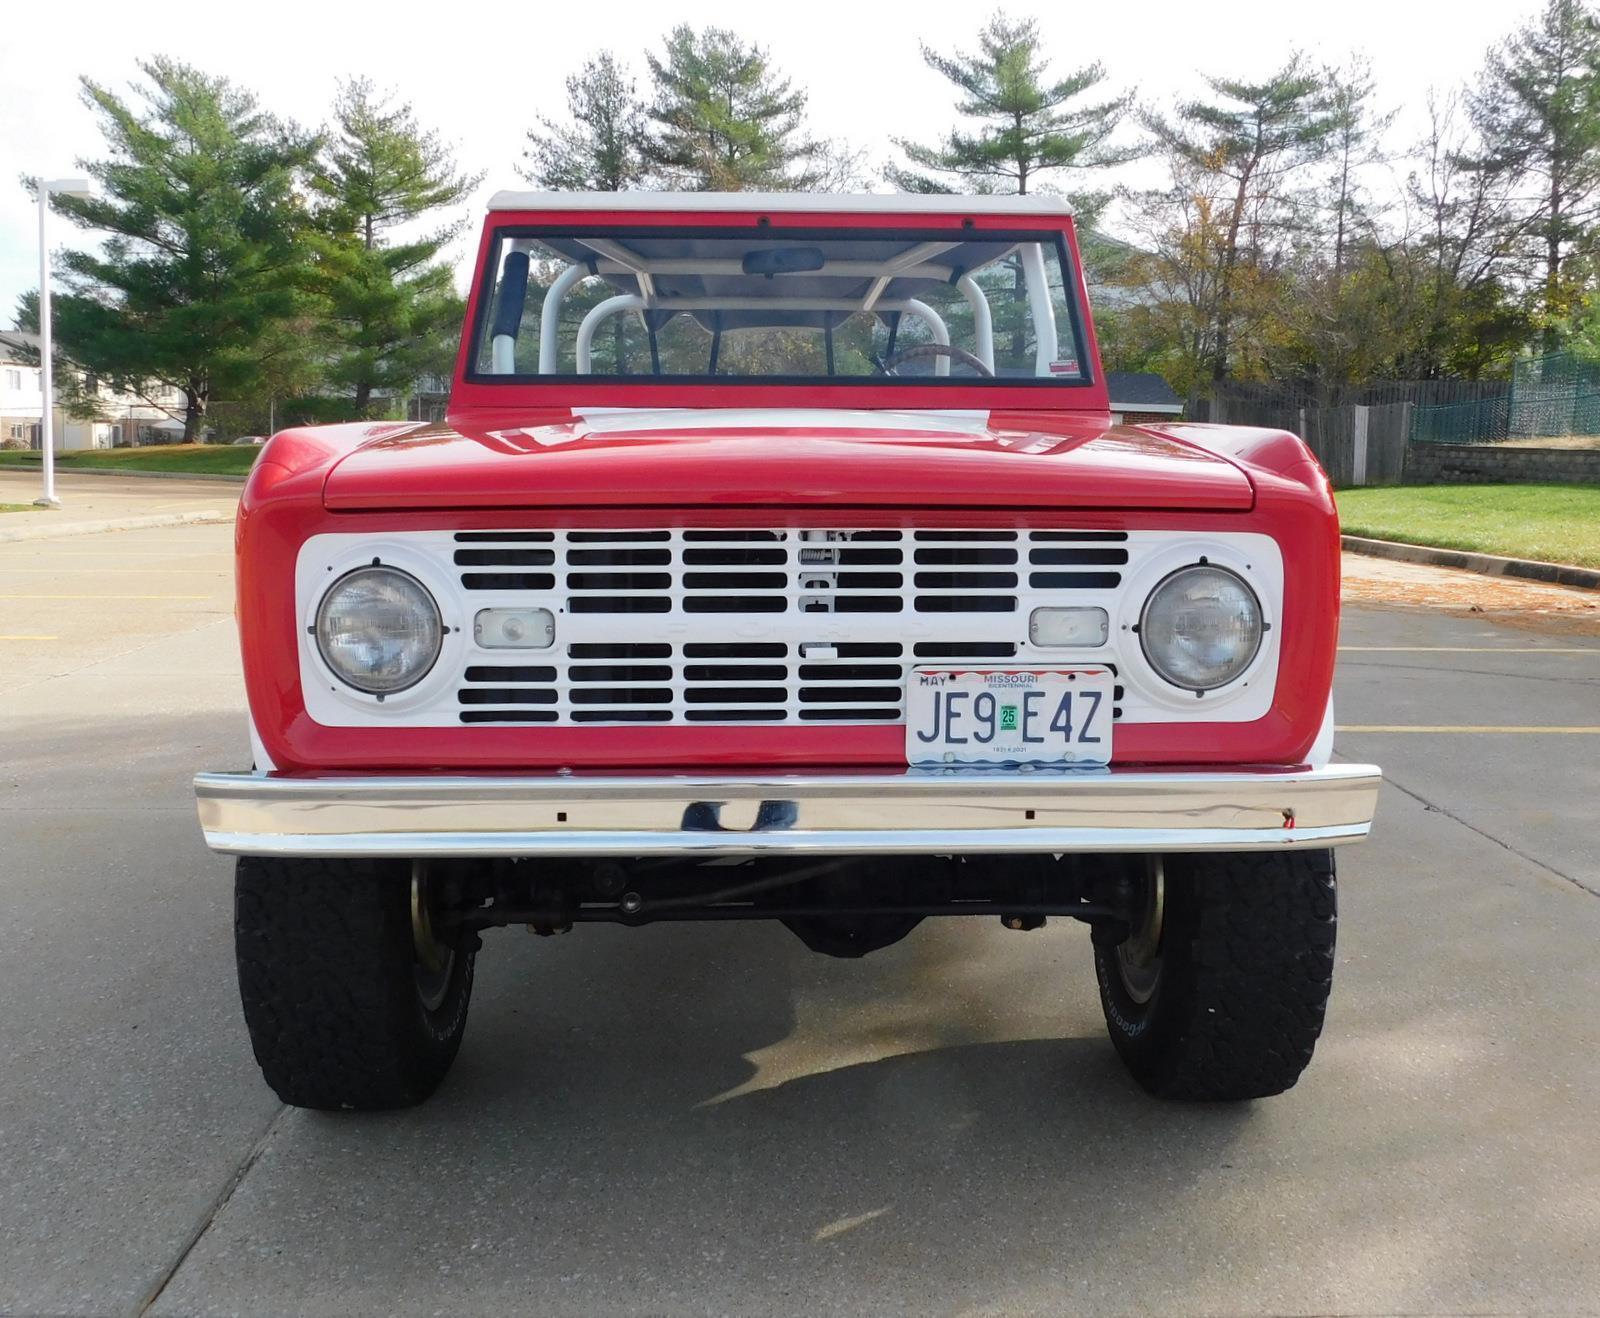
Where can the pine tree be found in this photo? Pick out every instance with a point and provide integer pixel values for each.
(724, 119)
(1537, 109)
(1028, 122)
(601, 147)
(388, 296)
(207, 251)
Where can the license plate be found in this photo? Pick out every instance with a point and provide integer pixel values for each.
(1009, 716)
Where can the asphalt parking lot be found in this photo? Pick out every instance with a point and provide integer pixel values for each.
(711, 1119)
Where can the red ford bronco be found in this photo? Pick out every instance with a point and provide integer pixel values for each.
(779, 560)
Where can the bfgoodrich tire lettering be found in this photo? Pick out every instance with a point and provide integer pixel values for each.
(328, 975)
(1245, 967)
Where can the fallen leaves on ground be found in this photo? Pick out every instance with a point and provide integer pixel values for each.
(1532, 604)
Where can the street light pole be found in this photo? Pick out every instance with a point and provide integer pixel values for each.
(72, 187)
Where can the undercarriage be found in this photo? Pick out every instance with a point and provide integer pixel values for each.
(842, 906)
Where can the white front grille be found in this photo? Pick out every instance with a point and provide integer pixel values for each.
(765, 626)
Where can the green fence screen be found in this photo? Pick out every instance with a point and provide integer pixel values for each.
(1550, 397)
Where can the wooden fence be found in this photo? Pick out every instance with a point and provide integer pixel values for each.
(1355, 445)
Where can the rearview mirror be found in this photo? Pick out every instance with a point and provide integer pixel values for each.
(782, 261)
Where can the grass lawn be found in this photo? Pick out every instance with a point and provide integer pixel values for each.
(16, 508)
(221, 459)
(1557, 523)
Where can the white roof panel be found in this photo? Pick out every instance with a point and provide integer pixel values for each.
(915, 203)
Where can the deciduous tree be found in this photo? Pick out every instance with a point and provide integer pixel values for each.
(1241, 150)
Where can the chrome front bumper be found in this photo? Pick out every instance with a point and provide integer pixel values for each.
(936, 812)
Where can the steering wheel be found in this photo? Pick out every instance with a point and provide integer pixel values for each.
(888, 364)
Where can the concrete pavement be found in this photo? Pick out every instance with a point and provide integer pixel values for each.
(709, 1118)
(98, 503)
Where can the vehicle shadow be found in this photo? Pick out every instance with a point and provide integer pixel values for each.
(711, 1119)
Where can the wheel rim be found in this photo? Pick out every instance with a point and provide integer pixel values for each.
(434, 959)
(1139, 955)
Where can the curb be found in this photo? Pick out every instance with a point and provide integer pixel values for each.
(61, 529)
(1492, 565)
(142, 475)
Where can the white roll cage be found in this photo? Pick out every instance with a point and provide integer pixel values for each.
(615, 258)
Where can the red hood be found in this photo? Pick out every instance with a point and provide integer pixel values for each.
(686, 458)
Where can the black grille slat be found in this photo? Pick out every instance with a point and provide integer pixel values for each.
(619, 557)
(504, 673)
(505, 695)
(736, 673)
(1097, 557)
(735, 650)
(735, 556)
(621, 672)
(508, 580)
(869, 649)
(508, 716)
(963, 650)
(965, 557)
(845, 556)
(1074, 580)
(966, 604)
(620, 695)
(735, 604)
(867, 695)
(735, 580)
(850, 672)
(505, 557)
(619, 580)
(868, 604)
(650, 650)
(736, 695)
(966, 580)
(620, 604)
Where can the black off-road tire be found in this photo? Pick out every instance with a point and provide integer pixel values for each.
(329, 977)
(1235, 996)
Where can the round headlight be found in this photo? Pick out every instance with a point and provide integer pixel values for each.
(379, 630)
(1201, 627)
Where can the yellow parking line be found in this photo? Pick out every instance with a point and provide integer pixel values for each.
(4, 637)
(1484, 727)
(1471, 649)
(106, 597)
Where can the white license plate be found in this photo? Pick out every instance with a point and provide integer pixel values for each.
(1009, 716)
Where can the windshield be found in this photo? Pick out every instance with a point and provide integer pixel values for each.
(806, 306)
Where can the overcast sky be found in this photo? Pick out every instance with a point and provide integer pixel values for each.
(482, 74)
